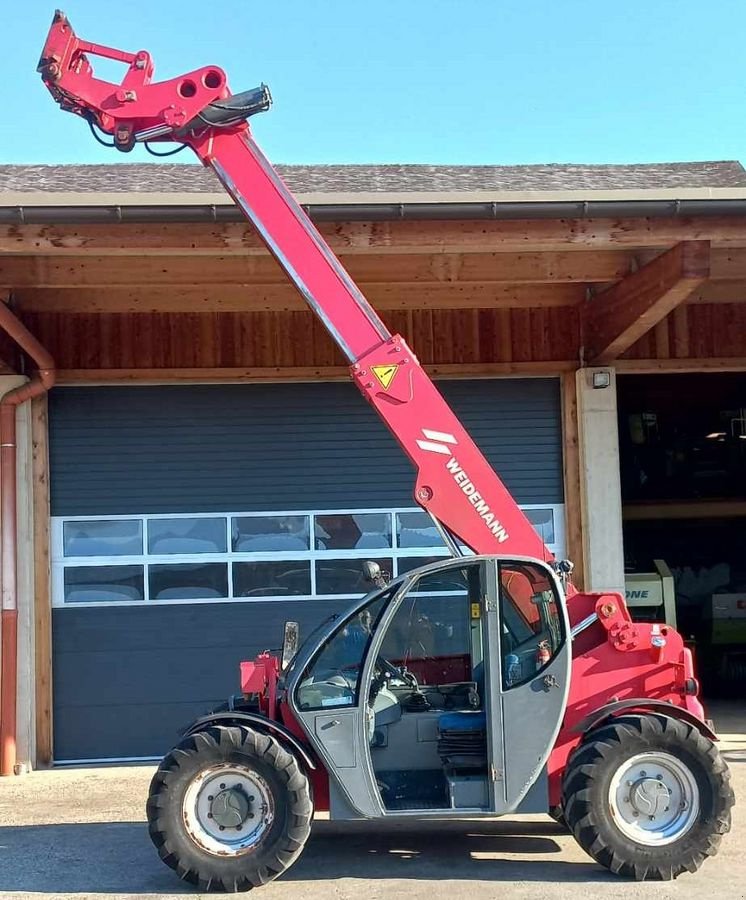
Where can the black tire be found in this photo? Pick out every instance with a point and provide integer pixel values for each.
(589, 813)
(276, 849)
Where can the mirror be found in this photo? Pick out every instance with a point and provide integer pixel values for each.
(290, 641)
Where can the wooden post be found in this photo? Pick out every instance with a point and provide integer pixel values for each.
(572, 487)
(42, 581)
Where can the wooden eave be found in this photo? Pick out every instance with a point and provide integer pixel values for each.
(480, 296)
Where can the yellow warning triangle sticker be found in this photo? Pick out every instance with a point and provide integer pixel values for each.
(385, 374)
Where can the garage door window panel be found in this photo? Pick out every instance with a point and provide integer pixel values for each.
(543, 521)
(416, 529)
(188, 581)
(103, 538)
(104, 584)
(187, 536)
(272, 579)
(353, 531)
(273, 534)
(345, 576)
(407, 563)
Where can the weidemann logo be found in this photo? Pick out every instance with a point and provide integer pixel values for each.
(441, 442)
(475, 498)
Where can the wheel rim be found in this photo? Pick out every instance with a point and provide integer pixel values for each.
(228, 809)
(654, 799)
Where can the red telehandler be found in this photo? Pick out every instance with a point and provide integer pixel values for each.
(481, 685)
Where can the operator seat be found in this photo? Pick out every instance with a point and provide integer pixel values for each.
(462, 740)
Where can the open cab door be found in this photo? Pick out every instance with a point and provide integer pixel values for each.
(443, 692)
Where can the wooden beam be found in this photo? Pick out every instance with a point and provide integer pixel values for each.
(42, 580)
(571, 473)
(299, 373)
(614, 320)
(689, 364)
(96, 271)
(399, 236)
(686, 509)
(284, 297)
(10, 353)
(197, 375)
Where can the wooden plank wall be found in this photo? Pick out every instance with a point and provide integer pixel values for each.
(441, 337)
(696, 331)
(297, 339)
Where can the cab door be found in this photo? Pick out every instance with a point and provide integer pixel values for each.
(372, 695)
(530, 665)
(511, 642)
(328, 696)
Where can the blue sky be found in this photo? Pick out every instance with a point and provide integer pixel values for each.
(431, 81)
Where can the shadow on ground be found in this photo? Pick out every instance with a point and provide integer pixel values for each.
(119, 858)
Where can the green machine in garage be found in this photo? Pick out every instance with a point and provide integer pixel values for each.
(651, 596)
(720, 637)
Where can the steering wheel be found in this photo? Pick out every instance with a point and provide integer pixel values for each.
(386, 667)
(385, 670)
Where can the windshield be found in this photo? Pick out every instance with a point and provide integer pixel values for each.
(308, 642)
(332, 676)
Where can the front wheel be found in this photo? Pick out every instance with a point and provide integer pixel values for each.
(229, 809)
(648, 796)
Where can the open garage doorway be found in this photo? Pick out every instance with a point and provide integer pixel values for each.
(682, 444)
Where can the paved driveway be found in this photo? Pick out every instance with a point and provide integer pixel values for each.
(73, 833)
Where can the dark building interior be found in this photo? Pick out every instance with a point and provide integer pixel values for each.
(682, 443)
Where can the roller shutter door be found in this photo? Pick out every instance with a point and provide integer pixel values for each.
(128, 676)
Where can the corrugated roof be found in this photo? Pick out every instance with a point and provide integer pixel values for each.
(384, 179)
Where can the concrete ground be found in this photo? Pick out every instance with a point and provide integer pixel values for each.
(81, 833)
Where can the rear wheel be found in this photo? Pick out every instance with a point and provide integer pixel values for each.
(648, 796)
(229, 809)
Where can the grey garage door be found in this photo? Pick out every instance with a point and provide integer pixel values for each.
(135, 659)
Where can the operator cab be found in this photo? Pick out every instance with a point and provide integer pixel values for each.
(409, 695)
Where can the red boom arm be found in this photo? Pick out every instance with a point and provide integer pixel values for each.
(455, 483)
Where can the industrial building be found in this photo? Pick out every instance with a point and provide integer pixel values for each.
(197, 467)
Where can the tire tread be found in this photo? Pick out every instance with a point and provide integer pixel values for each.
(582, 794)
(215, 744)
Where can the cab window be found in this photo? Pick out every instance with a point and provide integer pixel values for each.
(531, 624)
(332, 677)
(431, 634)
